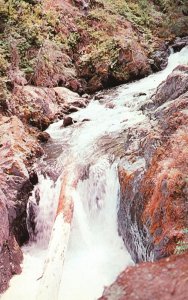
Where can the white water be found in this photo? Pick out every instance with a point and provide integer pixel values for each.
(95, 253)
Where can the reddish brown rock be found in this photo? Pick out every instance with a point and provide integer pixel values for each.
(175, 85)
(179, 43)
(67, 121)
(54, 68)
(153, 176)
(39, 107)
(10, 260)
(166, 279)
(18, 149)
(126, 60)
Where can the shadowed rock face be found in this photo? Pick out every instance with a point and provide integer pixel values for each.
(165, 279)
(153, 178)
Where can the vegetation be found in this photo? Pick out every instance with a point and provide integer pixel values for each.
(182, 246)
(25, 26)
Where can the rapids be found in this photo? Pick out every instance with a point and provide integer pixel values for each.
(75, 261)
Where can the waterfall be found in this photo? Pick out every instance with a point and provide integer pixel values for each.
(96, 253)
(75, 249)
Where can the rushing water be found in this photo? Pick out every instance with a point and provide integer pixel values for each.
(78, 261)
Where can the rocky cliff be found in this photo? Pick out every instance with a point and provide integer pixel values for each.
(166, 279)
(153, 208)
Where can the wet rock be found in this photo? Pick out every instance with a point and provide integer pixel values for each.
(153, 207)
(67, 96)
(67, 121)
(165, 279)
(72, 109)
(175, 85)
(43, 137)
(179, 43)
(110, 105)
(86, 96)
(140, 94)
(86, 120)
(98, 97)
(159, 60)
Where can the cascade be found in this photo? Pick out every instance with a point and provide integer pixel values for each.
(75, 249)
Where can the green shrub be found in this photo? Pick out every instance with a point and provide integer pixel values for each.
(182, 246)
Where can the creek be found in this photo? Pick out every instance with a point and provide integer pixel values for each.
(75, 250)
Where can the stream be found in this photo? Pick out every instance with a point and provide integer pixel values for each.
(75, 257)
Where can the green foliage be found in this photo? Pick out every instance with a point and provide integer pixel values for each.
(137, 12)
(24, 24)
(73, 39)
(171, 6)
(182, 246)
(103, 51)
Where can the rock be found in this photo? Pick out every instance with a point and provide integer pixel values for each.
(17, 77)
(98, 97)
(165, 279)
(125, 60)
(86, 96)
(67, 121)
(43, 137)
(179, 43)
(86, 120)
(175, 85)
(140, 94)
(72, 109)
(153, 188)
(159, 60)
(39, 107)
(54, 68)
(10, 260)
(17, 147)
(69, 98)
(35, 106)
(110, 105)
(4, 230)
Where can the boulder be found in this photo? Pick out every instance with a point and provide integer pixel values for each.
(159, 60)
(174, 86)
(67, 121)
(165, 279)
(179, 43)
(39, 106)
(68, 97)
